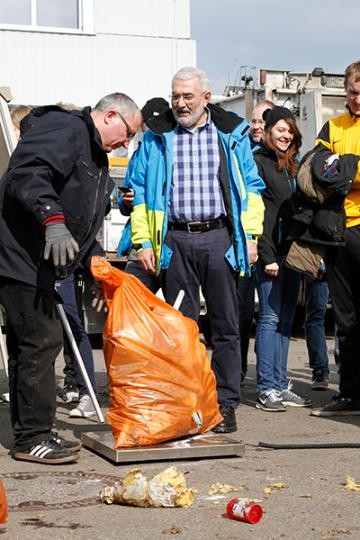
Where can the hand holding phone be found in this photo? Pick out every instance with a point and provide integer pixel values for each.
(127, 196)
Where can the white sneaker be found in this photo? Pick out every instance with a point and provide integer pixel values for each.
(85, 408)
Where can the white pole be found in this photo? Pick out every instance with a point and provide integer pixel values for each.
(79, 360)
(179, 299)
(4, 354)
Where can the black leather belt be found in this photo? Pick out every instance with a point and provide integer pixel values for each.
(199, 226)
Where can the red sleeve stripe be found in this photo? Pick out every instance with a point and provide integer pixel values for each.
(53, 219)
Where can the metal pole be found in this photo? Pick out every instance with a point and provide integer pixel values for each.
(4, 356)
(4, 353)
(179, 299)
(79, 360)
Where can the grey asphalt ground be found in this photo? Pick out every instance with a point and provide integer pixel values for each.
(313, 504)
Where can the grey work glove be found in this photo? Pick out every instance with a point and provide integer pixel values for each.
(59, 244)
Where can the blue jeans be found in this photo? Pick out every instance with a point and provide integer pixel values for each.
(277, 304)
(66, 289)
(316, 295)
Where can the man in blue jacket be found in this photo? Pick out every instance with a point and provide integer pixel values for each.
(197, 214)
(53, 198)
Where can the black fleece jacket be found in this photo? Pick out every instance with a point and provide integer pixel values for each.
(279, 200)
(58, 167)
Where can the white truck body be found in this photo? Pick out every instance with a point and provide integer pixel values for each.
(313, 97)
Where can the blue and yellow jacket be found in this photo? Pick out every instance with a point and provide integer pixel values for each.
(151, 174)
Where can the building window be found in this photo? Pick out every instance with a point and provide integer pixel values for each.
(59, 13)
(67, 15)
(15, 12)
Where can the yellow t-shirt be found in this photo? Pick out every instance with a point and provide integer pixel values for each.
(341, 135)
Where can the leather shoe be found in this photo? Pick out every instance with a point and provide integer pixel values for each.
(228, 424)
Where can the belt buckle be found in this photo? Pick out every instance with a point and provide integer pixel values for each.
(189, 224)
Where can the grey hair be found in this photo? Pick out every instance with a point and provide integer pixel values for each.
(267, 102)
(118, 101)
(187, 73)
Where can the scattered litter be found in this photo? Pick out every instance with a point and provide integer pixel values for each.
(351, 485)
(174, 529)
(305, 495)
(224, 488)
(167, 489)
(277, 485)
(337, 532)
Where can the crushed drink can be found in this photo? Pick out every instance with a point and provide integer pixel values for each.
(244, 510)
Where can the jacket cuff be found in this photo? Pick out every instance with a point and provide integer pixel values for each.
(54, 219)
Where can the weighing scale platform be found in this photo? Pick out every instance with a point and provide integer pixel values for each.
(208, 445)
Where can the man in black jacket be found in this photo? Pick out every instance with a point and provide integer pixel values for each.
(53, 198)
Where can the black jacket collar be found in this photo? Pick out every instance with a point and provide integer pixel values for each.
(84, 114)
(266, 151)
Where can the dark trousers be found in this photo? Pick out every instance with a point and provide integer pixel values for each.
(151, 281)
(66, 290)
(246, 299)
(343, 272)
(199, 259)
(316, 297)
(34, 340)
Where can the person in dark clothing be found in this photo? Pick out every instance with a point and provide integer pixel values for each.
(53, 199)
(277, 285)
(341, 136)
(74, 385)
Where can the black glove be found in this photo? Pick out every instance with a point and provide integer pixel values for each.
(98, 301)
(59, 243)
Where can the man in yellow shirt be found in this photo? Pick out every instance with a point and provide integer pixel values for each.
(341, 135)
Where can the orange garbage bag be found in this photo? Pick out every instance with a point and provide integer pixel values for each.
(161, 383)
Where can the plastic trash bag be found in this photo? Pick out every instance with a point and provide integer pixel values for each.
(161, 383)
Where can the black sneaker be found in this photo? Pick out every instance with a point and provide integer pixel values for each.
(338, 406)
(48, 452)
(70, 393)
(320, 379)
(228, 424)
(74, 446)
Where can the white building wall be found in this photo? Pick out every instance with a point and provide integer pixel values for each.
(136, 47)
(156, 18)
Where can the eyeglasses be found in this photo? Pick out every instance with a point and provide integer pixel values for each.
(130, 134)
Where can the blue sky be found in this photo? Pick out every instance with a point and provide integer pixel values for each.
(274, 34)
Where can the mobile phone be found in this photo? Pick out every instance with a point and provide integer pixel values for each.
(125, 189)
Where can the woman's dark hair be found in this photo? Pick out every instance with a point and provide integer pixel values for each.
(286, 160)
